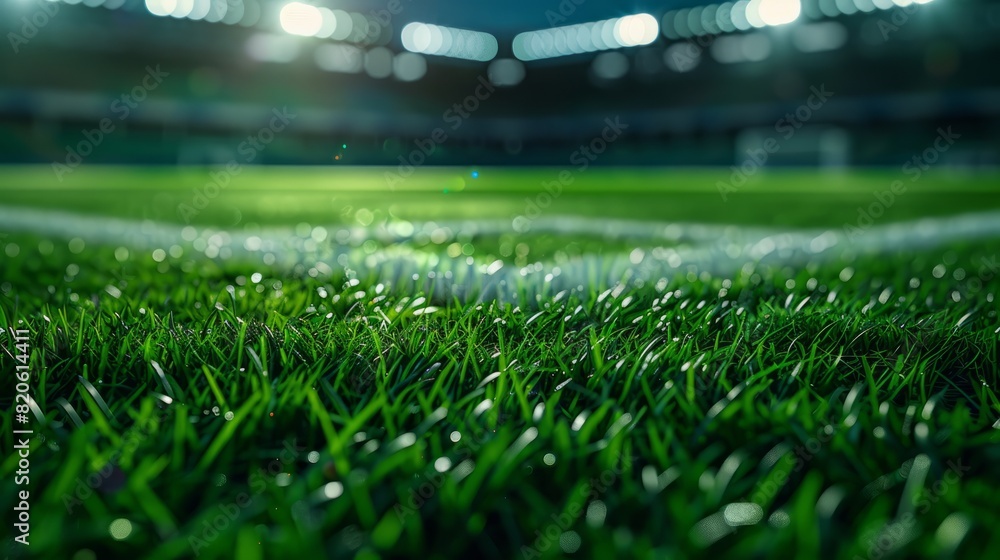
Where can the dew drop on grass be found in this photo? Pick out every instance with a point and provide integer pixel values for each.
(570, 542)
(76, 245)
(482, 407)
(538, 412)
(120, 529)
(743, 513)
(597, 512)
(333, 490)
(779, 519)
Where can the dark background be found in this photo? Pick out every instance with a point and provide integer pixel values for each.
(938, 69)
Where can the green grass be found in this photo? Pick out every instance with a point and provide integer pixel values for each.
(807, 411)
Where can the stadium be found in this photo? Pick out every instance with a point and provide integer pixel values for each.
(530, 279)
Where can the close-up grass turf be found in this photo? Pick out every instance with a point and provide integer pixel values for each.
(212, 396)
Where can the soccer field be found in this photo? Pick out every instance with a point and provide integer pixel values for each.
(500, 363)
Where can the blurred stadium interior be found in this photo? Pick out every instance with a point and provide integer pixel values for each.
(708, 84)
(801, 363)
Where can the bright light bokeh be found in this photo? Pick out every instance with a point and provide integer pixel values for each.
(753, 14)
(633, 31)
(183, 9)
(779, 12)
(628, 31)
(437, 40)
(161, 8)
(302, 19)
(200, 9)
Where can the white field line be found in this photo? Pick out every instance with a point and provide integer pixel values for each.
(663, 250)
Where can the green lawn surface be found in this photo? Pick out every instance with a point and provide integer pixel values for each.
(188, 404)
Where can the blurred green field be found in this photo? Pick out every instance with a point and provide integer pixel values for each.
(276, 195)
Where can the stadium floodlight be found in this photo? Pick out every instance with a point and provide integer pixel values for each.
(753, 14)
(637, 30)
(779, 12)
(222, 12)
(694, 21)
(182, 9)
(200, 9)
(628, 31)
(161, 8)
(847, 7)
(301, 19)
(437, 40)
(738, 15)
(724, 18)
